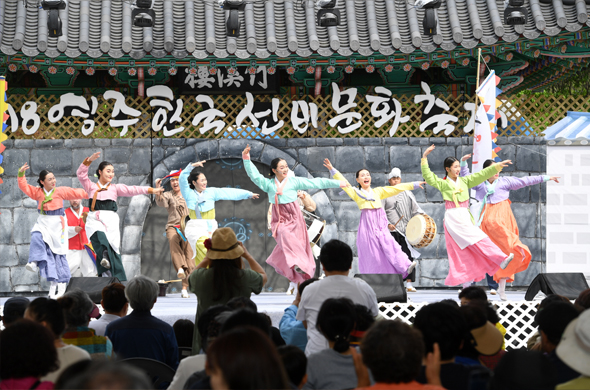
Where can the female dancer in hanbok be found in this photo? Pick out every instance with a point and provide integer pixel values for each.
(471, 253)
(378, 252)
(49, 241)
(102, 222)
(200, 200)
(495, 218)
(292, 257)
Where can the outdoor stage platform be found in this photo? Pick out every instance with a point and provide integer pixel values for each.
(516, 314)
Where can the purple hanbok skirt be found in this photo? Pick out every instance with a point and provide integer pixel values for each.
(52, 267)
(377, 250)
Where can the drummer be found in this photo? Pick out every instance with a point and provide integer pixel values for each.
(306, 203)
(399, 210)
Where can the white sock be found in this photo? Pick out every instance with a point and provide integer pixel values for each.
(502, 285)
(409, 284)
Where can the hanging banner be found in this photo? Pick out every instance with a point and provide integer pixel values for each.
(221, 81)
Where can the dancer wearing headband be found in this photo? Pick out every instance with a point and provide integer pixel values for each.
(471, 252)
(180, 251)
(200, 200)
(378, 252)
(49, 241)
(495, 218)
(292, 257)
(102, 222)
(399, 210)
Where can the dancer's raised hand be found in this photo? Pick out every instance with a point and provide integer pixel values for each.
(158, 190)
(246, 152)
(94, 156)
(328, 164)
(158, 183)
(199, 164)
(554, 178)
(419, 184)
(466, 157)
(255, 196)
(24, 167)
(428, 151)
(344, 184)
(505, 163)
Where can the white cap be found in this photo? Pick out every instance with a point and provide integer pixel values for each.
(395, 172)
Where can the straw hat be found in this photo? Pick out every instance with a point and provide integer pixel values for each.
(488, 339)
(574, 347)
(223, 244)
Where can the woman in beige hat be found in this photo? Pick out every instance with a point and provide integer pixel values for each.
(221, 275)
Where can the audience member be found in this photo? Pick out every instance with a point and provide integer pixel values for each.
(292, 330)
(229, 321)
(196, 363)
(583, 300)
(472, 293)
(336, 260)
(363, 321)
(14, 309)
(524, 370)
(209, 321)
(115, 306)
(394, 351)
(74, 371)
(242, 303)
(552, 321)
(483, 339)
(333, 368)
(245, 358)
(246, 317)
(49, 313)
(445, 325)
(107, 375)
(183, 330)
(77, 308)
(221, 275)
(27, 353)
(574, 350)
(129, 333)
(534, 342)
(275, 333)
(489, 361)
(295, 364)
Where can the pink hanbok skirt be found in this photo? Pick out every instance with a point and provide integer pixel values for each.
(475, 260)
(293, 248)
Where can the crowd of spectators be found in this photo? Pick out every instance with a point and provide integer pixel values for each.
(331, 337)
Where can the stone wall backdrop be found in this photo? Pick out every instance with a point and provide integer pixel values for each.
(135, 160)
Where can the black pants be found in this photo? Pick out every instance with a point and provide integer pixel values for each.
(401, 240)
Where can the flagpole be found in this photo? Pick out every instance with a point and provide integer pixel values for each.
(477, 77)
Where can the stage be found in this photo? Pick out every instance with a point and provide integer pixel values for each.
(516, 314)
(172, 307)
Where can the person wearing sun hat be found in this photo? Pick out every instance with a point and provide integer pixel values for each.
(180, 250)
(574, 350)
(221, 275)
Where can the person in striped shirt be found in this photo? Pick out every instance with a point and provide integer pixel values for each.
(399, 210)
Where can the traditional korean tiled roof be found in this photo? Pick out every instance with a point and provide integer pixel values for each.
(196, 28)
(574, 127)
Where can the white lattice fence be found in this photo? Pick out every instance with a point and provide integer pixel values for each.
(516, 316)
